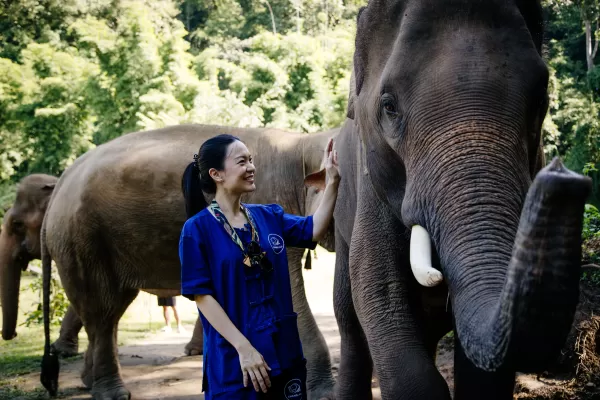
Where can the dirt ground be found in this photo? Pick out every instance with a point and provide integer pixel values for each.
(156, 368)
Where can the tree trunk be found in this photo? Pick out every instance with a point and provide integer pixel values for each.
(591, 44)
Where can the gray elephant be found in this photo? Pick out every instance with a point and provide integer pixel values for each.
(20, 242)
(446, 216)
(113, 224)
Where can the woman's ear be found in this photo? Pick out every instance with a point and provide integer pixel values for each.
(215, 175)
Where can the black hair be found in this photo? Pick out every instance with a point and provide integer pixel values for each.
(196, 179)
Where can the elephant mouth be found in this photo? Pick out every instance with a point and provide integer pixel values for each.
(22, 259)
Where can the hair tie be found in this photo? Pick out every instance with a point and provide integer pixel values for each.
(196, 158)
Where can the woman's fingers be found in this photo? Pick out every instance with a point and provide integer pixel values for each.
(260, 379)
(245, 375)
(265, 376)
(253, 378)
(266, 365)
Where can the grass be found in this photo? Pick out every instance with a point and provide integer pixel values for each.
(23, 354)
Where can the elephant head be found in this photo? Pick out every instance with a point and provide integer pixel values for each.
(20, 242)
(448, 100)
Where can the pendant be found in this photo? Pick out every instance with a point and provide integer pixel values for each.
(247, 261)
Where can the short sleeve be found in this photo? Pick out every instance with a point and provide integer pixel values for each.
(195, 272)
(297, 230)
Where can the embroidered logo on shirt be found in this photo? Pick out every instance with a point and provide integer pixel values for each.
(276, 243)
(293, 389)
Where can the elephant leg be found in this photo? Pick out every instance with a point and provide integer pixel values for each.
(100, 313)
(67, 343)
(472, 383)
(196, 343)
(87, 374)
(356, 368)
(437, 316)
(319, 379)
(388, 305)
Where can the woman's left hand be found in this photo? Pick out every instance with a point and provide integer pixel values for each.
(332, 168)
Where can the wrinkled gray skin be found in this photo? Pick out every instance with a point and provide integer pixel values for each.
(445, 114)
(128, 192)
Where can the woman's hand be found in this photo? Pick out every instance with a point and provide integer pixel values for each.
(254, 366)
(332, 169)
(324, 213)
(251, 361)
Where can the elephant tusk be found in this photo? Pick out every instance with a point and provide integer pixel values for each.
(420, 258)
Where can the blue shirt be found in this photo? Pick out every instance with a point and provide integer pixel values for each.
(258, 303)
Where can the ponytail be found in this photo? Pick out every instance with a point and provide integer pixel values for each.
(192, 190)
(196, 179)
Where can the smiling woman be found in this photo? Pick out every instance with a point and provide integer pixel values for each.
(234, 266)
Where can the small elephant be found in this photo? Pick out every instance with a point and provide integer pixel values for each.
(446, 217)
(113, 222)
(20, 242)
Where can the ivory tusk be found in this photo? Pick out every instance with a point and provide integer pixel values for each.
(420, 258)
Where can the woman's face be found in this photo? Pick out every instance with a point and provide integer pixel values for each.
(237, 175)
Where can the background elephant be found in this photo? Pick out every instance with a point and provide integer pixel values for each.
(443, 137)
(114, 222)
(20, 242)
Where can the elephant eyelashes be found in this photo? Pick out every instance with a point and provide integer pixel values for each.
(388, 104)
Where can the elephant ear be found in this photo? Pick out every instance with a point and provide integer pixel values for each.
(533, 13)
(316, 179)
(358, 71)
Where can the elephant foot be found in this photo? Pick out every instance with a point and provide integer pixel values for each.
(113, 394)
(192, 349)
(88, 379)
(66, 349)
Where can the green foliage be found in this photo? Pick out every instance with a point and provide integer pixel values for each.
(291, 82)
(75, 74)
(8, 192)
(572, 127)
(591, 222)
(58, 303)
(591, 244)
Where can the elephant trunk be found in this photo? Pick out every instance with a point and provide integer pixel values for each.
(10, 280)
(514, 283)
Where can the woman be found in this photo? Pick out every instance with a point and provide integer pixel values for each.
(234, 266)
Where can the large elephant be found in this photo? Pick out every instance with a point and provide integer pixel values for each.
(442, 170)
(113, 225)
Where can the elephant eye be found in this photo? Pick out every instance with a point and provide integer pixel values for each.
(388, 103)
(18, 226)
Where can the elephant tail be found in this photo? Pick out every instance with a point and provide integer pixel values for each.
(50, 363)
(308, 261)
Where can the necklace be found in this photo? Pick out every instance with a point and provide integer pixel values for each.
(256, 257)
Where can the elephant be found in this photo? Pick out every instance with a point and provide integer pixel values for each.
(20, 242)
(112, 227)
(448, 216)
